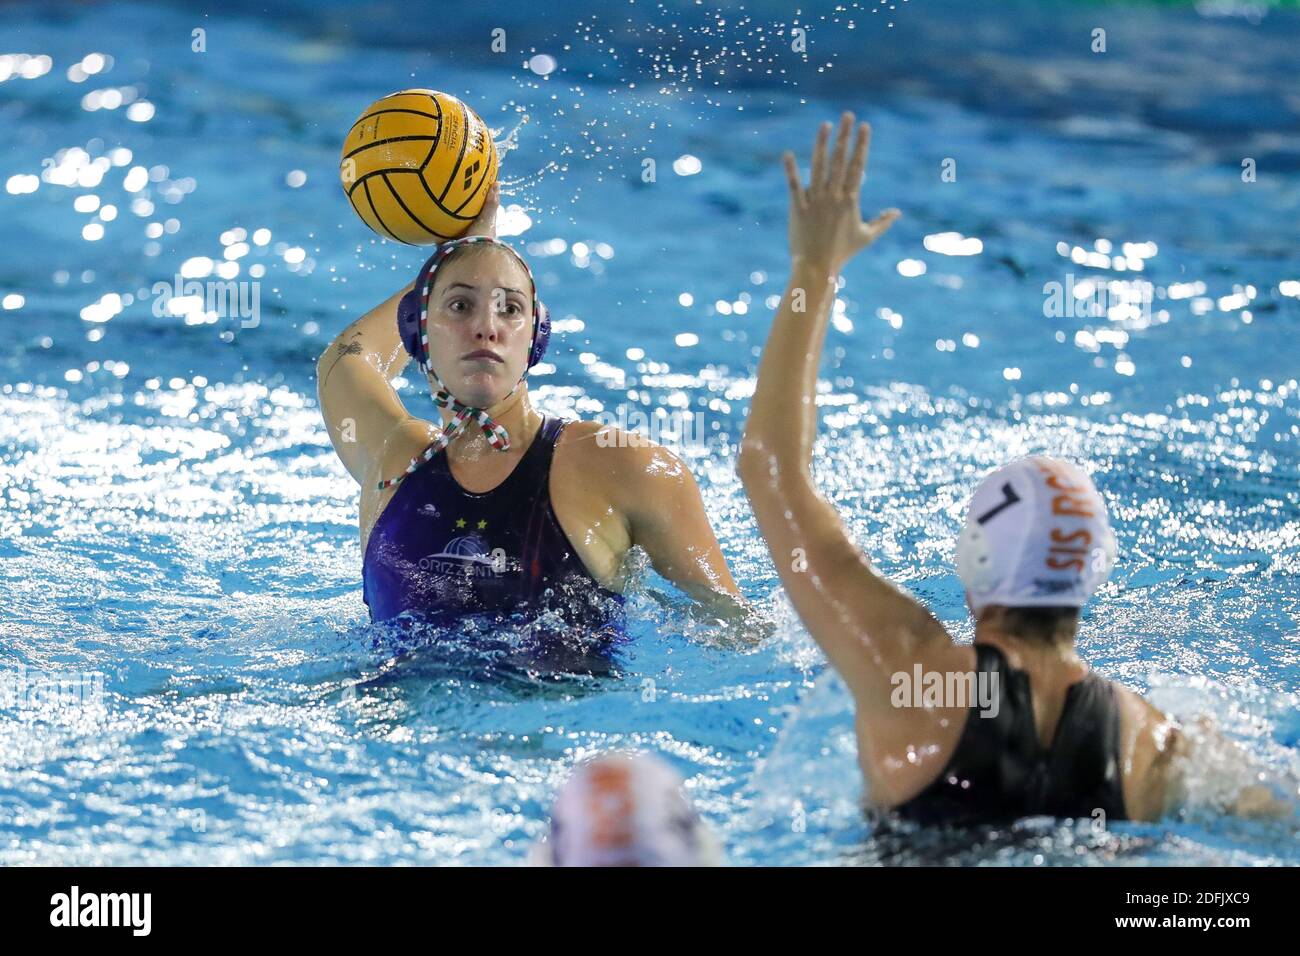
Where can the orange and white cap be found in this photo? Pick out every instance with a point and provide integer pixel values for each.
(625, 809)
(1036, 534)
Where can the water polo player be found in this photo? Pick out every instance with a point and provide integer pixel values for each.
(625, 809)
(1015, 724)
(497, 507)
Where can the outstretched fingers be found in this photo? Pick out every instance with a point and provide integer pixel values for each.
(819, 167)
(858, 166)
(837, 182)
(875, 228)
(792, 177)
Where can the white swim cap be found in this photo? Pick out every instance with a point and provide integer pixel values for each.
(624, 809)
(1036, 535)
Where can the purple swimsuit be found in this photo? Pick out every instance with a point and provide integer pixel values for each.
(440, 549)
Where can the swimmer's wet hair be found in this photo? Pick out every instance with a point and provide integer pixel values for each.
(475, 251)
(1039, 622)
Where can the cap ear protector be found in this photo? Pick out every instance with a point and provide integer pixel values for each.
(408, 309)
(541, 334)
(977, 571)
(975, 564)
(408, 314)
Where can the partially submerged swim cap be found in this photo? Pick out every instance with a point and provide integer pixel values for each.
(1036, 535)
(625, 809)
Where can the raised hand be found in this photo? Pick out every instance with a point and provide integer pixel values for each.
(826, 225)
(486, 223)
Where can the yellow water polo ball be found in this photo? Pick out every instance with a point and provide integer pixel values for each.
(417, 166)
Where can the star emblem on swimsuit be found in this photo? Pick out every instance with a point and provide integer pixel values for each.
(482, 524)
(460, 522)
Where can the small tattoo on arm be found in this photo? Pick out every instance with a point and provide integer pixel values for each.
(352, 347)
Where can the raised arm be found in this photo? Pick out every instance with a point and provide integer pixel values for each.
(868, 627)
(353, 375)
(360, 406)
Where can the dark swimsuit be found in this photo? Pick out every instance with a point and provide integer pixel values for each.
(1000, 771)
(440, 550)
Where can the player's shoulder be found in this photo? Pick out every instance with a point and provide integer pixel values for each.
(1140, 710)
(1153, 747)
(613, 450)
(1152, 737)
(623, 467)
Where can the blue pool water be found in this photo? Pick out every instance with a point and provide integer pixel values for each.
(176, 526)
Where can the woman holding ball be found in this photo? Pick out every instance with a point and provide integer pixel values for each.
(495, 507)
